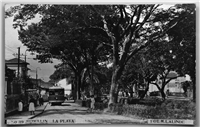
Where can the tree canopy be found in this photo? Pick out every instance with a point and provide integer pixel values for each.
(152, 38)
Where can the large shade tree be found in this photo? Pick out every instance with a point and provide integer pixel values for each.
(127, 28)
(183, 37)
(62, 34)
(165, 51)
(132, 28)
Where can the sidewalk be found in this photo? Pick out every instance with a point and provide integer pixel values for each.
(79, 113)
(27, 115)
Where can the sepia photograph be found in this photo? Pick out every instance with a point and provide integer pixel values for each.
(130, 64)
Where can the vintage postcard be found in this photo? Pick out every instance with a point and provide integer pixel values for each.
(100, 64)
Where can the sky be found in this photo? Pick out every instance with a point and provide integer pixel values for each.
(11, 47)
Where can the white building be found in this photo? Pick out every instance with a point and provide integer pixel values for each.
(66, 85)
(173, 86)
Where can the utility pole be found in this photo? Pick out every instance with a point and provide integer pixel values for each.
(26, 84)
(18, 61)
(37, 76)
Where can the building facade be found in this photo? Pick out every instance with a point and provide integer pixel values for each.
(13, 64)
(13, 86)
(174, 86)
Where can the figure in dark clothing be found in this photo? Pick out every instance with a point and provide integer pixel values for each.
(41, 101)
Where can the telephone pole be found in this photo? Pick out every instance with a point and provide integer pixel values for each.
(18, 61)
(37, 76)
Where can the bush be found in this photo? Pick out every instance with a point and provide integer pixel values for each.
(150, 101)
(170, 109)
(100, 106)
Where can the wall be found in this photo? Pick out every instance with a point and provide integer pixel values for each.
(12, 103)
(15, 67)
(173, 86)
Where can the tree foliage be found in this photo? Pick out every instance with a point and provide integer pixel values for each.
(84, 35)
(63, 33)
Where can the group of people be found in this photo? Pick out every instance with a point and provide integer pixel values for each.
(31, 106)
(90, 102)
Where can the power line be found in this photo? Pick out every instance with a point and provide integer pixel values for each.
(10, 49)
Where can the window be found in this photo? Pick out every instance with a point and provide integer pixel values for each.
(51, 93)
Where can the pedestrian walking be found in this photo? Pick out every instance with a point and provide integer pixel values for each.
(32, 105)
(20, 106)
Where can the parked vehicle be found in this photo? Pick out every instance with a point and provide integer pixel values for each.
(56, 95)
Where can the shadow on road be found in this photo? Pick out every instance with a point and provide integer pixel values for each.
(68, 111)
(60, 105)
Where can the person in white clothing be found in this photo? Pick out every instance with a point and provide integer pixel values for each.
(120, 95)
(92, 103)
(20, 106)
(32, 106)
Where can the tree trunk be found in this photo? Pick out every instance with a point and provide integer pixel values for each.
(162, 91)
(77, 91)
(145, 92)
(131, 91)
(194, 89)
(91, 81)
(162, 94)
(114, 86)
(112, 89)
(78, 87)
(74, 90)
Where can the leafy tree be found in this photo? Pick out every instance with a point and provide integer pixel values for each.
(101, 79)
(126, 29)
(61, 73)
(183, 36)
(170, 54)
(140, 71)
(61, 34)
(177, 51)
(132, 28)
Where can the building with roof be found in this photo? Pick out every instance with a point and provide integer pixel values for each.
(13, 88)
(13, 64)
(174, 86)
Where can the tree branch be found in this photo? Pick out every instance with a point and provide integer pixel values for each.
(157, 86)
(173, 78)
(130, 24)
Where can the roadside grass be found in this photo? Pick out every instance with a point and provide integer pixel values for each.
(154, 108)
